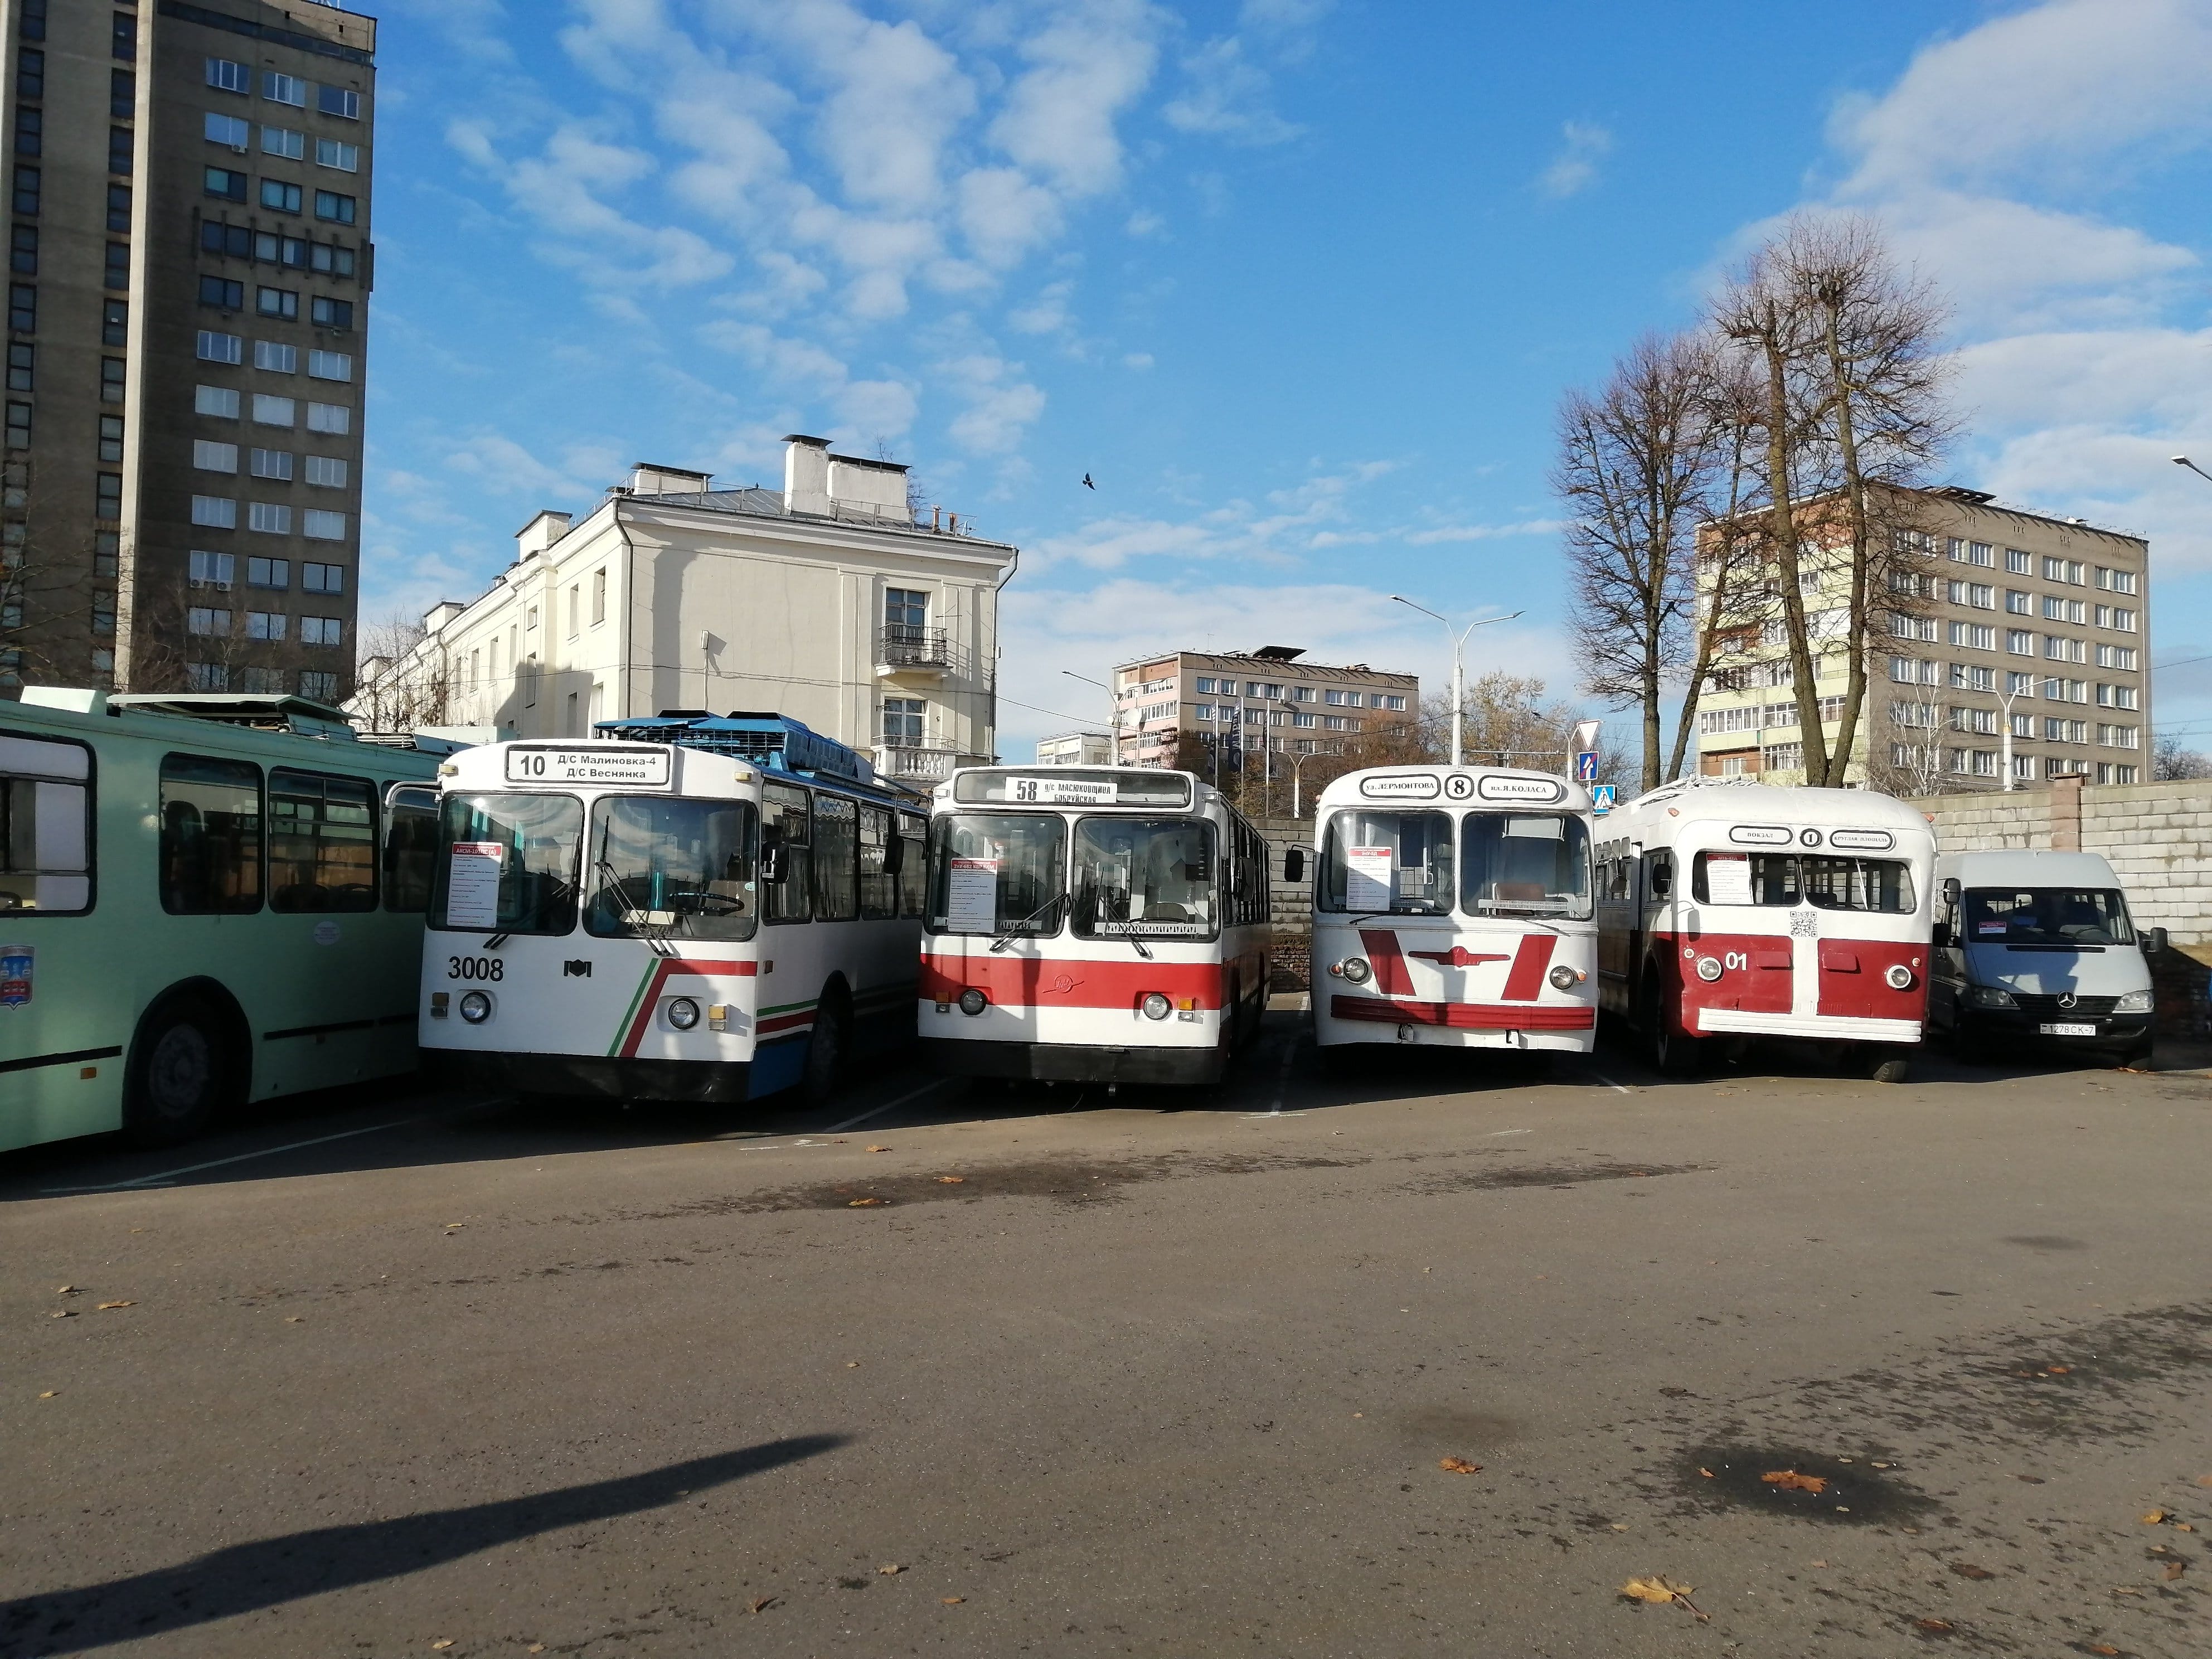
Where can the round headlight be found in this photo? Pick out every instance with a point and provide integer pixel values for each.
(973, 1001)
(1156, 1006)
(476, 1007)
(1709, 969)
(1565, 978)
(683, 1012)
(1356, 970)
(1900, 976)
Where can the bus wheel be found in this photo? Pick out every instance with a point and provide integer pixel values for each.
(825, 1049)
(1887, 1066)
(1673, 1052)
(180, 1067)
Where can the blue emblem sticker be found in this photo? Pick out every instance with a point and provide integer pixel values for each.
(16, 963)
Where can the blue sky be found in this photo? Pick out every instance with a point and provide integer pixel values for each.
(1298, 283)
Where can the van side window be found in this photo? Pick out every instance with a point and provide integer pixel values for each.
(322, 842)
(410, 848)
(786, 821)
(46, 827)
(211, 846)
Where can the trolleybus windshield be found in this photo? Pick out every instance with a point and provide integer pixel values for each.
(997, 872)
(2064, 916)
(507, 864)
(1827, 883)
(1525, 864)
(661, 863)
(1153, 876)
(1388, 863)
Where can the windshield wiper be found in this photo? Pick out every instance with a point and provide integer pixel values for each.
(1128, 931)
(657, 941)
(1005, 935)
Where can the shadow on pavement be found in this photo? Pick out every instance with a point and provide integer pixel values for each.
(271, 1571)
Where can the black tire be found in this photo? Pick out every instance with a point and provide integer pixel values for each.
(182, 1071)
(1886, 1066)
(1674, 1053)
(828, 1049)
(1970, 1046)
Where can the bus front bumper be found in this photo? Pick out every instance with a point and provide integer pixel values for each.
(1075, 1062)
(592, 1076)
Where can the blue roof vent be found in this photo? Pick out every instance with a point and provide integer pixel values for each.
(773, 742)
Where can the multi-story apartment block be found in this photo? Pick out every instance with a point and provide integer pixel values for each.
(1076, 749)
(1251, 702)
(2021, 638)
(187, 301)
(826, 600)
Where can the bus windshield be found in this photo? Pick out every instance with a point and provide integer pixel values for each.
(1388, 863)
(506, 863)
(1525, 864)
(997, 872)
(2047, 916)
(660, 864)
(1153, 876)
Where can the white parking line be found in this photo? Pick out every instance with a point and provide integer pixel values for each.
(889, 1106)
(1282, 1085)
(1605, 1080)
(168, 1175)
(1495, 1133)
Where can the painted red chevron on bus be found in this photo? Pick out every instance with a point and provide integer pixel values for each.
(663, 969)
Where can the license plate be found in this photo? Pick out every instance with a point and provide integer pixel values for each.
(2068, 1031)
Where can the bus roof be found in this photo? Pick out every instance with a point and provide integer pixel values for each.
(1137, 788)
(94, 717)
(1693, 801)
(1487, 787)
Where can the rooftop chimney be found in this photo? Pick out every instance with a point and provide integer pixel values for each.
(541, 532)
(805, 474)
(647, 478)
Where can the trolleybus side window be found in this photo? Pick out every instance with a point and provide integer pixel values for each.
(836, 859)
(46, 827)
(411, 848)
(1388, 862)
(879, 882)
(1525, 864)
(997, 872)
(1658, 878)
(914, 866)
(663, 866)
(322, 842)
(507, 864)
(785, 824)
(210, 835)
(1251, 879)
(1144, 876)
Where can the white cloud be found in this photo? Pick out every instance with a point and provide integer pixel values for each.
(1226, 97)
(1047, 313)
(1575, 167)
(1000, 406)
(1084, 69)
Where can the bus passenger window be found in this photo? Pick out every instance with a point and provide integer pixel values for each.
(322, 842)
(785, 823)
(410, 848)
(914, 871)
(836, 859)
(210, 853)
(878, 886)
(45, 844)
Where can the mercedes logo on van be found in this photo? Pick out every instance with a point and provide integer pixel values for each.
(2066, 998)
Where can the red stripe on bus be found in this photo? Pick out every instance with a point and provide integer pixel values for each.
(666, 968)
(1390, 976)
(1030, 983)
(785, 1022)
(1464, 1015)
(1526, 982)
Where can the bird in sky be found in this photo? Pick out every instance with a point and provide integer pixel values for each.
(1087, 485)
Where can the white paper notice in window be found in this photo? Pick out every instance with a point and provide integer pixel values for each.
(972, 897)
(1367, 877)
(473, 885)
(1728, 877)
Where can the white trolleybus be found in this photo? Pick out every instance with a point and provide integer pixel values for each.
(1451, 908)
(1091, 925)
(1729, 912)
(694, 907)
(204, 899)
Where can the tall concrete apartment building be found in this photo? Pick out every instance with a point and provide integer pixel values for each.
(2030, 643)
(187, 302)
(1254, 700)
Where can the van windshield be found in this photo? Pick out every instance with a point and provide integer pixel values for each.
(2045, 915)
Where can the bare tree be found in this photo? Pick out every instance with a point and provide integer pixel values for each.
(2170, 762)
(1846, 347)
(1508, 721)
(405, 680)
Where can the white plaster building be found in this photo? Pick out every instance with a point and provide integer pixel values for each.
(1076, 749)
(825, 601)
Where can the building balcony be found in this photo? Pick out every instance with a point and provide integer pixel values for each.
(918, 765)
(906, 652)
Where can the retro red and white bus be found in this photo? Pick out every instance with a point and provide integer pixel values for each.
(1451, 908)
(1729, 912)
(1092, 924)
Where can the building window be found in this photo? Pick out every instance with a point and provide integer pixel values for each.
(284, 89)
(219, 348)
(2018, 563)
(207, 621)
(30, 68)
(271, 410)
(264, 624)
(322, 579)
(224, 76)
(217, 402)
(21, 355)
(2123, 619)
(271, 518)
(120, 151)
(319, 684)
(277, 359)
(26, 188)
(221, 292)
(110, 437)
(23, 307)
(1968, 677)
(279, 196)
(334, 207)
(330, 365)
(2109, 773)
(331, 313)
(103, 613)
(19, 426)
(206, 677)
(107, 497)
(283, 303)
(103, 661)
(2116, 656)
(2116, 697)
(322, 526)
(23, 251)
(2019, 641)
(904, 722)
(113, 375)
(231, 131)
(123, 95)
(268, 572)
(210, 569)
(2019, 604)
(326, 471)
(330, 153)
(225, 184)
(107, 552)
(272, 464)
(2116, 581)
(209, 456)
(30, 133)
(321, 630)
(114, 321)
(341, 101)
(334, 418)
(331, 258)
(1974, 637)
(599, 586)
(1299, 717)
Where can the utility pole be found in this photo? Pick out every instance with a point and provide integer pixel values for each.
(1112, 709)
(1459, 667)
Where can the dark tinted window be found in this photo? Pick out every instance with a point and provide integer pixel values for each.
(836, 859)
(45, 839)
(210, 835)
(322, 842)
(785, 823)
(410, 848)
(878, 886)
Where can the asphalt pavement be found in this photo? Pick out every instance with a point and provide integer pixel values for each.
(1432, 1360)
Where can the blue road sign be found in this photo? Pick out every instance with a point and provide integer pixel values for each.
(1602, 796)
(1586, 766)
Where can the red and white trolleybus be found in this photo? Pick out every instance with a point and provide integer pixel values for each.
(1104, 923)
(1728, 912)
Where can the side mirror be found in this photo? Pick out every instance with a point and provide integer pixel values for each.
(894, 855)
(2157, 938)
(1294, 865)
(1942, 940)
(1951, 892)
(773, 869)
(1663, 880)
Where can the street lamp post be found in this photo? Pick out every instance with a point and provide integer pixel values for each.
(2184, 461)
(1298, 764)
(1459, 670)
(1113, 708)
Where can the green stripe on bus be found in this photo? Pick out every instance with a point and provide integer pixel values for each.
(789, 1007)
(621, 1030)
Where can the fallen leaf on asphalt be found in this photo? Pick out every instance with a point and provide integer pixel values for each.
(104, 1306)
(1790, 1481)
(2032, 1480)
(2175, 1568)
(889, 1567)
(1657, 1591)
(446, 1642)
(535, 1647)
(2059, 1371)
(2204, 1479)
(50, 1393)
(65, 1290)
(952, 1601)
(852, 1364)
(760, 1604)
(1882, 1466)
(2101, 1648)
(455, 1226)
(2182, 1526)
(863, 1203)
(2153, 1517)
(291, 1319)
(1933, 1624)
(1459, 1465)
(879, 1149)
(1968, 1570)
(62, 1313)
(1620, 1526)
(950, 1180)
(1707, 1473)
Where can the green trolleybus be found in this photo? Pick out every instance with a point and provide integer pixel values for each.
(203, 900)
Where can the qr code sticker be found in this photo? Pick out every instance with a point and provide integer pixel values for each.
(1805, 924)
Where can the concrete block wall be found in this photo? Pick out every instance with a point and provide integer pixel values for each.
(1293, 906)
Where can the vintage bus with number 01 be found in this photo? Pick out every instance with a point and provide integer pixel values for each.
(1104, 923)
(691, 908)
(1732, 912)
(1451, 908)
